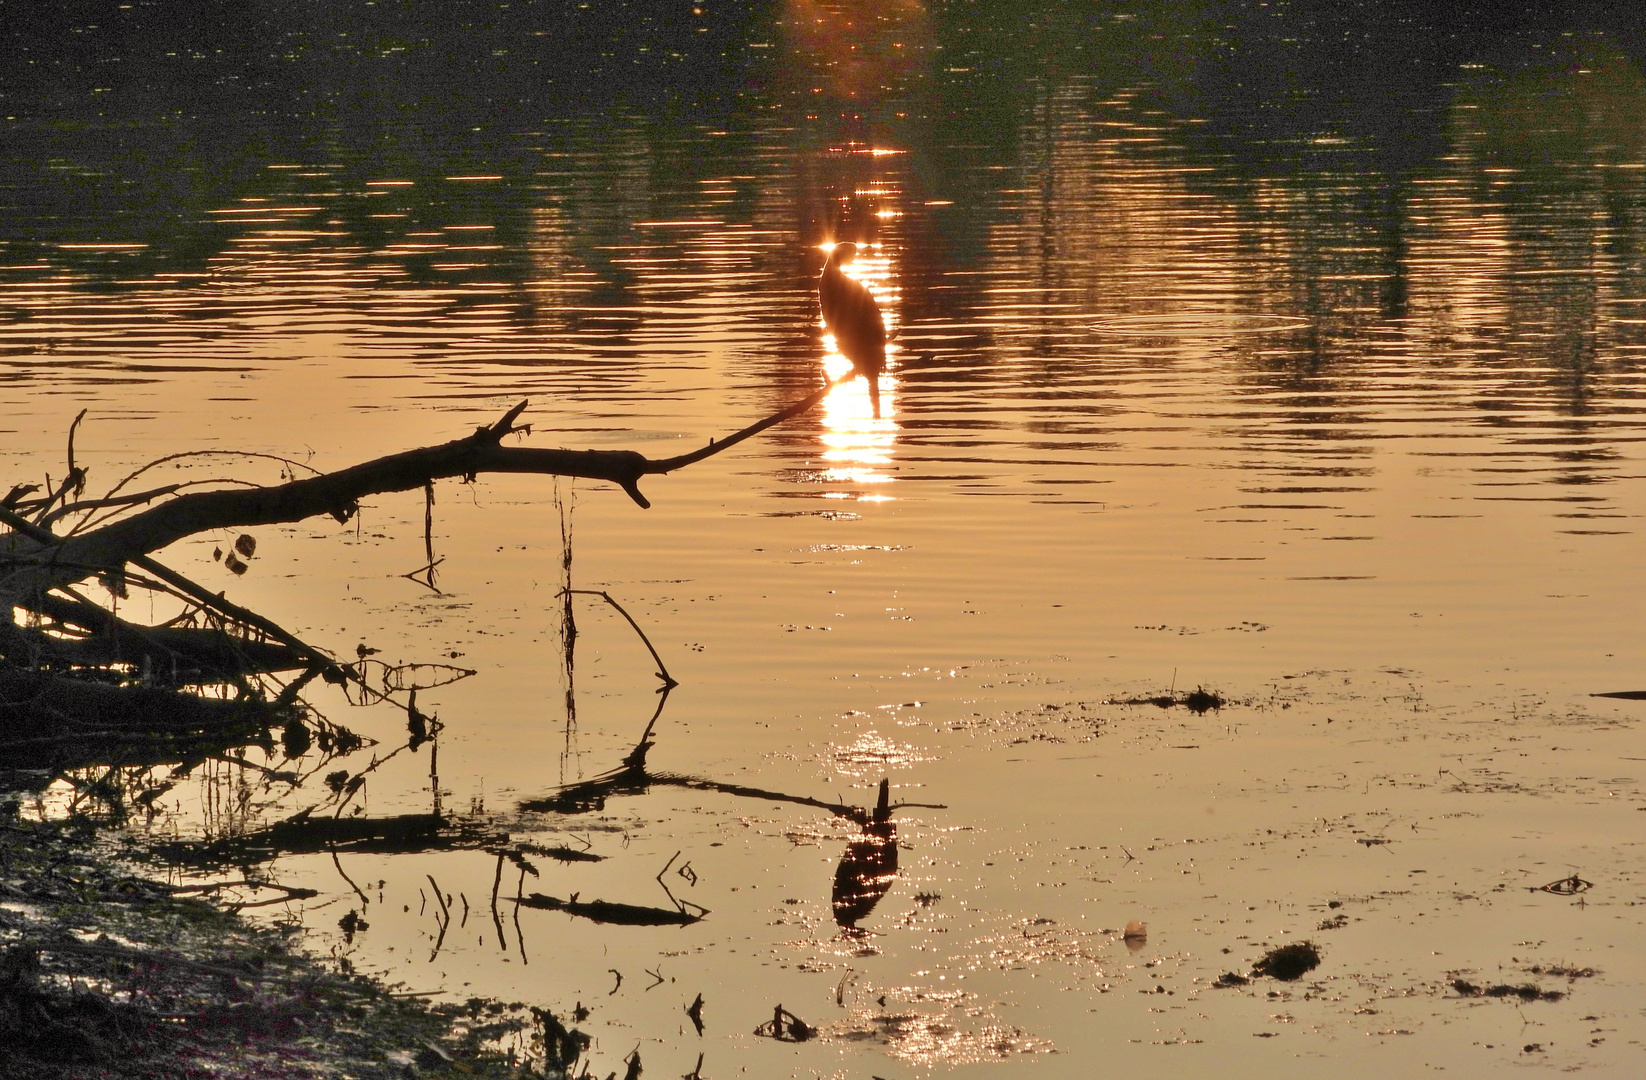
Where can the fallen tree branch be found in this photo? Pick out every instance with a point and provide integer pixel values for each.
(53, 563)
(53, 722)
(65, 559)
(74, 673)
(178, 654)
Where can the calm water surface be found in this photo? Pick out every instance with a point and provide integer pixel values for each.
(1293, 354)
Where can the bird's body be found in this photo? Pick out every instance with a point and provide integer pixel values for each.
(853, 317)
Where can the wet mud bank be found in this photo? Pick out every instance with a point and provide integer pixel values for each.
(108, 973)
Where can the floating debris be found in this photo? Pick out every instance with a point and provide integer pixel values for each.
(1200, 700)
(1566, 886)
(1525, 991)
(605, 911)
(1289, 962)
(785, 1026)
(352, 924)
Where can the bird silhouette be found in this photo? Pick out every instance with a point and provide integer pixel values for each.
(853, 317)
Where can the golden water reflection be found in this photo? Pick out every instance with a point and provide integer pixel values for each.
(1241, 406)
(856, 52)
(857, 447)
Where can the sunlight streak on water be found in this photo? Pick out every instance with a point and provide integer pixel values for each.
(857, 447)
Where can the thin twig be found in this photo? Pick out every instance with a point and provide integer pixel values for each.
(364, 899)
(125, 501)
(662, 672)
(668, 465)
(444, 910)
(120, 500)
(207, 453)
(428, 521)
(519, 936)
(78, 474)
(497, 920)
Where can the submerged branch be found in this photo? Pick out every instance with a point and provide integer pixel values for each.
(306, 833)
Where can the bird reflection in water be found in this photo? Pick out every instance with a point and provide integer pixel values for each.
(853, 317)
(865, 874)
(868, 867)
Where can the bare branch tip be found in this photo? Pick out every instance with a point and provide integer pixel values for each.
(506, 426)
(632, 487)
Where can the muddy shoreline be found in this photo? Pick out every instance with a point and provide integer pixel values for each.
(107, 973)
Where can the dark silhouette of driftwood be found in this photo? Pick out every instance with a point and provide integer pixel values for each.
(41, 560)
(77, 664)
(605, 911)
(58, 723)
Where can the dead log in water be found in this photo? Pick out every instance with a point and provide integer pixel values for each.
(76, 664)
(605, 911)
(38, 561)
(84, 635)
(56, 723)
